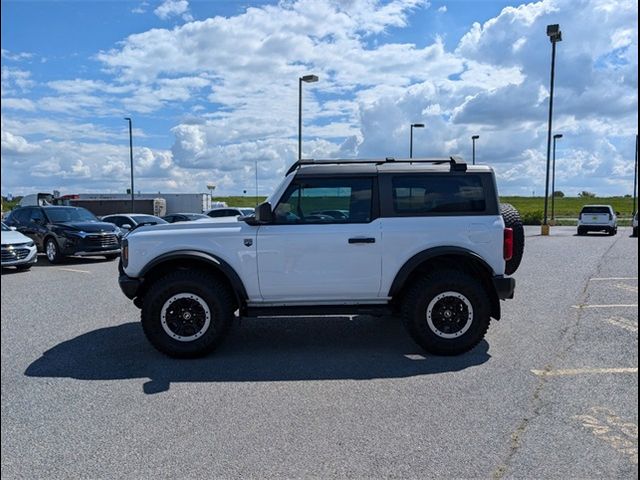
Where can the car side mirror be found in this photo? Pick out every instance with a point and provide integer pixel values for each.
(264, 214)
(618, 213)
(126, 226)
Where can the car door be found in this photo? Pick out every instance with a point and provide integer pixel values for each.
(308, 257)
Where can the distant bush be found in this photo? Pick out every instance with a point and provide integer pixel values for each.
(558, 194)
(532, 218)
(585, 194)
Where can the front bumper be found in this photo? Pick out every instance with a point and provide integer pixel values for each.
(505, 286)
(18, 255)
(129, 286)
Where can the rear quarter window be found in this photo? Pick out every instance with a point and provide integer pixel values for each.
(438, 195)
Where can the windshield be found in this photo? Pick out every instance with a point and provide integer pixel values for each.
(149, 219)
(70, 214)
(5, 228)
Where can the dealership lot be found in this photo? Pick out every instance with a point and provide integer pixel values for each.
(552, 392)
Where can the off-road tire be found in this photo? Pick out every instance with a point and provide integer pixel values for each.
(581, 231)
(634, 233)
(24, 268)
(424, 292)
(199, 285)
(512, 220)
(112, 256)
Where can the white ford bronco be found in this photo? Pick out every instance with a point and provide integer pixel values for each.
(425, 239)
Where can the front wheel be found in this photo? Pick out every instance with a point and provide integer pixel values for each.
(52, 251)
(446, 312)
(187, 313)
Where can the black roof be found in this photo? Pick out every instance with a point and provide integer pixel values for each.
(455, 164)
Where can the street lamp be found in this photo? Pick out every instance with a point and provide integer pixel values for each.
(306, 79)
(553, 178)
(473, 141)
(413, 125)
(555, 35)
(131, 159)
(635, 180)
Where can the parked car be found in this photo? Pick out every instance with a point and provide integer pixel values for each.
(189, 278)
(598, 218)
(231, 212)
(17, 250)
(634, 224)
(184, 217)
(130, 221)
(62, 231)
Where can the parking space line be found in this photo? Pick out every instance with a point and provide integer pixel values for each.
(605, 425)
(581, 371)
(604, 279)
(628, 288)
(73, 270)
(628, 305)
(624, 323)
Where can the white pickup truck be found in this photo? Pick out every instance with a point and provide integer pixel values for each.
(598, 218)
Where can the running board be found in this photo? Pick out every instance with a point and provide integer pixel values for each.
(317, 310)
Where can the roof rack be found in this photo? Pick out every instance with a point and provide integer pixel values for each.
(457, 164)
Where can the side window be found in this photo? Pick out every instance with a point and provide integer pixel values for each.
(115, 220)
(217, 213)
(21, 216)
(320, 200)
(36, 216)
(438, 194)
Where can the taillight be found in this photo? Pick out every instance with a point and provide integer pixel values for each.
(508, 243)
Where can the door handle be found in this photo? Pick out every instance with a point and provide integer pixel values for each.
(362, 240)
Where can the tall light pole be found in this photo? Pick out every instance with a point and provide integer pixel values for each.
(413, 125)
(553, 178)
(131, 159)
(306, 79)
(256, 181)
(635, 180)
(473, 141)
(555, 35)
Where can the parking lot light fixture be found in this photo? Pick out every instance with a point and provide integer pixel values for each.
(305, 79)
(555, 35)
(131, 159)
(413, 125)
(553, 178)
(473, 153)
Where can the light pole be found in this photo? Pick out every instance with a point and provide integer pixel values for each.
(413, 125)
(131, 159)
(553, 178)
(555, 35)
(306, 79)
(473, 141)
(256, 181)
(635, 180)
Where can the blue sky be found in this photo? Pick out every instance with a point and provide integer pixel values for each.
(212, 90)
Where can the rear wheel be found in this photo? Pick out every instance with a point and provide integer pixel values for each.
(186, 314)
(581, 231)
(446, 312)
(23, 267)
(512, 220)
(635, 232)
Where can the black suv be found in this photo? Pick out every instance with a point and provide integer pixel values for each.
(60, 231)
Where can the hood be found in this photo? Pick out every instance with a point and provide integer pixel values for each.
(12, 237)
(203, 223)
(89, 227)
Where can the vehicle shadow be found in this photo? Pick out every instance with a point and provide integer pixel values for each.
(257, 350)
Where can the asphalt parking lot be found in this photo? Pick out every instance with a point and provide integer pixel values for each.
(551, 393)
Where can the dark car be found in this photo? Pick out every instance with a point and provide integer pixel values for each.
(62, 231)
(230, 212)
(131, 221)
(184, 217)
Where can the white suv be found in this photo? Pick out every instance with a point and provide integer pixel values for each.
(597, 218)
(424, 239)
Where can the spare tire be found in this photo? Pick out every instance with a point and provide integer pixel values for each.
(512, 220)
